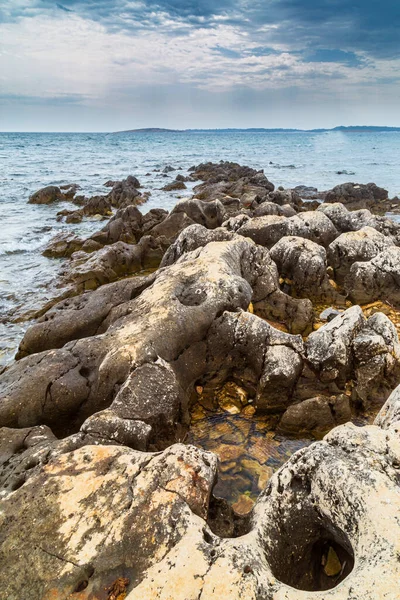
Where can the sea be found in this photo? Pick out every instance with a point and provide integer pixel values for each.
(30, 161)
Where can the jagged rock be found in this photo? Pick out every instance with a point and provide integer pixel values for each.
(304, 263)
(209, 214)
(63, 245)
(316, 415)
(191, 238)
(89, 271)
(329, 349)
(356, 195)
(124, 226)
(167, 322)
(377, 359)
(168, 169)
(125, 193)
(345, 220)
(267, 231)
(80, 317)
(97, 205)
(354, 246)
(376, 279)
(47, 195)
(69, 190)
(283, 197)
(309, 193)
(173, 186)
(270, 208)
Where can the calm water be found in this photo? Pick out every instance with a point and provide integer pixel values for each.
(31, 161)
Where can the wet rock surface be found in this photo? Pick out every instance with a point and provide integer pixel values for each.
(148, 422)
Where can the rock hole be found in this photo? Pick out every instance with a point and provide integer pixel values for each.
(307, 551)
(82, 585)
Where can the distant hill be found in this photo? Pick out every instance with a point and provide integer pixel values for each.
(345, 129)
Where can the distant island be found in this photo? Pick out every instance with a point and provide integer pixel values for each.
(346, 129)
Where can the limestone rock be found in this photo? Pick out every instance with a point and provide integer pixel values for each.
(354, 246)
(329, 349)
(376, 279)
(356, 195)
(47, 195)
(316, 415)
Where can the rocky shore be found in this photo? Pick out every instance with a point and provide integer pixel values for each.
(189, 350)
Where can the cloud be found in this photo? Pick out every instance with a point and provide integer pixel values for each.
(102, 53)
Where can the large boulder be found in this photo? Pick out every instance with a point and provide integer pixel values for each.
(355, 195)
(316, 415)
(303, 263)
(355, 246)
(379, 278)
(47, 195)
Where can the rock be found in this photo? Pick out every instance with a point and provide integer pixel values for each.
(309, 193)
(69, 190)
(314, 226)
(62, 245)
(75, 216)
(316, 415)
(304, 263)
(208, 214)
(74, 318)
(354, 246)
(97, 205)
(283, 197)
(47, 195)
(389, 415)
(329, 314)
(329, 349)
(377, 359)
(266, 231)
(376, 279)
(125, 193)
(166, 324)
(356, 195)
(173, 186)
(124, 226)
(193, 237)
(182, 178)
(168, 169)
(72, 518)
(89, 271)
(270, 208)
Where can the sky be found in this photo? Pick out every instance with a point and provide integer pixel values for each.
(109, 65)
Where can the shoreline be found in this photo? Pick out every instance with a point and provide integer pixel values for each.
(245, 317)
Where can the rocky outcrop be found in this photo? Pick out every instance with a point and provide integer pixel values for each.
(174, 186)
(63, 245)
(355, 196)
(321, 524)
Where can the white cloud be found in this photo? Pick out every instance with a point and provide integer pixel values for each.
(51, 56)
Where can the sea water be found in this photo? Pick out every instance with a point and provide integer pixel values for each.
(30, 161)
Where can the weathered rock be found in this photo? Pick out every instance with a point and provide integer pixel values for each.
(376, 279)
(283, 197)
(389, 415)
(329, 349)
(125, 193)
(356, 195)
(208, 214)
(89, 271)
(124, 226)
(266, 231)
(377, 359)
(270, 208)
(354, 246)
(62, 245)
(316, 415)
(309, 193)
(304, 263)
(97, 205)
(80, 317)
(47, 195)
(174, 186)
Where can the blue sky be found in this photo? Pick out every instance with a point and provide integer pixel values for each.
(106, 65)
